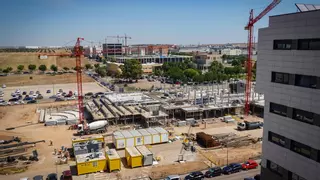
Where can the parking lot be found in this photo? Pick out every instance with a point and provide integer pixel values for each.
(51, 89)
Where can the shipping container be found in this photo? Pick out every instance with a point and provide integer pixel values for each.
(91, 163)
(113, 160)
(119, 140)
(147, 138)
(164, 135)
(147, 156)
(155, 135)
(129, 138)
(133, 157)
(138, 139)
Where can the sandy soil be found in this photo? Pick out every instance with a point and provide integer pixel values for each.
(24, 80)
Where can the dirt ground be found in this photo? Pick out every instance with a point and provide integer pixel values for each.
(15, 59)
(224, 156)
(145, 84)
(12, 116)
(24, 80)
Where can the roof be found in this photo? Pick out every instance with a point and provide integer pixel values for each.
(152, 131)
(144, 132)
(135, 133)
(126, 134)
(112, 154)
(133, 151)
(88, 157)
(118, 135)
(143, 150)
(160, 130)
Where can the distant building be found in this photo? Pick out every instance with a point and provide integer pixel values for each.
(154, 59)
(112, 49)
(231, 52)
(204, 60)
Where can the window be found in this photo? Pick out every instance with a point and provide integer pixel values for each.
(301, 149)
(306, 81)
(282, 78)
(277, 139)
(282, 44)
(303, 116)
(94, 164)
(274, 167)
(278, 109)
(293, 176)
(309, 44)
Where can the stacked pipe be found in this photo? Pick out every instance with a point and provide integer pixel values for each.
(206, 140)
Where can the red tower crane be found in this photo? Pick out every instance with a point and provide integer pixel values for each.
(249, 27)
(78, 52)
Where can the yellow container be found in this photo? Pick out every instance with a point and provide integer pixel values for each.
(91, 162)
(113, 160)
(133, 157)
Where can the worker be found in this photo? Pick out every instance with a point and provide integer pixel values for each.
(51, 143)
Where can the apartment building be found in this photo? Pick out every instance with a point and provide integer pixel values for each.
(288, 75)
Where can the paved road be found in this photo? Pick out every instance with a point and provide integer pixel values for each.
(236, 176)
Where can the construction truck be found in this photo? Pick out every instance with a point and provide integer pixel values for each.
(249, 125)
(93, 128)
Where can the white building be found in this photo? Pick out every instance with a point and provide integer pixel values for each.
(288, 75)
(231, 52)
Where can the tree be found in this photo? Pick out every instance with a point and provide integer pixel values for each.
(102, 71)
(88, 66)
(132, 69)
(20, 67)
(42, 68)
(32, 67)
(66, 68)
(199, 78)
(54, 68)
(9, 69)
(190, 73)
(96, 65)
(236, 62)
(224, 57)
(175, 73)
(216, 67)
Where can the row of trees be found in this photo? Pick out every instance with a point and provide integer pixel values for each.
(32, 67)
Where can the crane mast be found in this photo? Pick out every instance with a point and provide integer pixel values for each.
(249, 27)
(78, 52)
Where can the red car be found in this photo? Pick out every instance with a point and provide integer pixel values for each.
(250, 164)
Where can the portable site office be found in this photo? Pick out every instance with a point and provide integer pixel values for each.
(113, 160)
(155, 135)
(147, 138)
(91, 162)
(129, 138)
(138, 139)
(133, 157)
(146, 154)
(164, 135)
(119, 140)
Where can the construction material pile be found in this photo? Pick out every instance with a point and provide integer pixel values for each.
(206, 140)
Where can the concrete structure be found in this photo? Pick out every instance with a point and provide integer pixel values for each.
(288, 75)
(204, 60)
(112, 49)
(153, 59)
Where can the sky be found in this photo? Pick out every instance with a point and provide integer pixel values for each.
(57, 22)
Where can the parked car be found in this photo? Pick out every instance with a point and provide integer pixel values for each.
(24, 92)
(48, 91)
(232, 168)
(250, 164)
(31, 92)
(53, 97)
(25, 178)
(52, 176)
(37, 92)
(39, 96)
(38, 177)
(4, 86)
(213, 172)
(59, 99)
(88, 94)
(64, 94)
(13, 99)
(173, 177)
(66, 175)
(60, 90)
(18, 91)
(35, 96)
(71, 98)
(27, 98)
(197, 175)
(32, 102)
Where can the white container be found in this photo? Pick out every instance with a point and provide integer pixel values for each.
(155, 135)
(147, 155)
(147, 138)
(138, 139)
(119, 140)
(164, 135)
(129, 138)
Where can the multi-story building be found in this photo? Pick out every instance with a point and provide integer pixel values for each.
(288, 75)
(112, 49)
(231, 52)
(204, 60)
